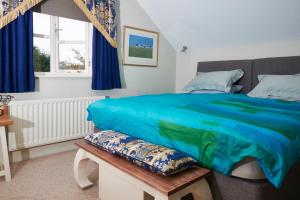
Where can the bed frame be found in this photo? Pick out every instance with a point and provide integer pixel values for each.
(231, 188)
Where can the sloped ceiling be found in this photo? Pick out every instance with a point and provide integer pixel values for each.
(222, 23)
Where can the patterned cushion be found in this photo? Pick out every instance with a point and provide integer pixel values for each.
(153, 157)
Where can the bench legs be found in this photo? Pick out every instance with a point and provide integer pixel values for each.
(200, 191)
(80, 175)
(162, 197)
(115, 184)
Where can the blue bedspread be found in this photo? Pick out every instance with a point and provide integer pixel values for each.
(218, 130)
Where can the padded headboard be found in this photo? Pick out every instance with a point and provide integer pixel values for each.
(252, 68)
(280, 65)
(245, 65)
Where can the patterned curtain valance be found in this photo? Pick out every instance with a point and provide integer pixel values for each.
(12, 9)
(102, 13)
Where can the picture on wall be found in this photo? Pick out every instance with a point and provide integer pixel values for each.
(140, 47)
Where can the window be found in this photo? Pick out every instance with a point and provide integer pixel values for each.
(61, 46)
(41, 41)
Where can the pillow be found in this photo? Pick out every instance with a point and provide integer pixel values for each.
(234, 89)
(261, 76)
(153, 157)
(284, 87)
(218, 80)
(206, 92)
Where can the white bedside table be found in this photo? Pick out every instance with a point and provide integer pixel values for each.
(5, 120)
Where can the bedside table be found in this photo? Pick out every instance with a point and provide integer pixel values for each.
(5, 120)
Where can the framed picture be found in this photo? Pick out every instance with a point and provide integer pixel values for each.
(140, 47)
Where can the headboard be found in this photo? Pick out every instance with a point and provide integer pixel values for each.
(252, 68)
(280, 65)
(245, 65)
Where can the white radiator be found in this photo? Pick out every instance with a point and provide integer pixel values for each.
(42, 122)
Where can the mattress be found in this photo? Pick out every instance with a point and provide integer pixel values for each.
(248, 169)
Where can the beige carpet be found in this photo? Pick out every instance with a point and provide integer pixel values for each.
(47, 178)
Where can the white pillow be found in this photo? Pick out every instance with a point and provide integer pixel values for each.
(205, 92)
(285, 87)
(234, 89)
(261, 76)
(217, 80)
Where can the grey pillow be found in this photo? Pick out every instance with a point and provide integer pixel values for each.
(234, 89)
(261, 76)
(217, 80)
(285, 87)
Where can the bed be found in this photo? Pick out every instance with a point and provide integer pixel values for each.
(253, 185)
(246, 176)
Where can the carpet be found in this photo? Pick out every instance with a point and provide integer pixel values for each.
(48, 178)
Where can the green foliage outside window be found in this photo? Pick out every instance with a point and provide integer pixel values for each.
(41, 60)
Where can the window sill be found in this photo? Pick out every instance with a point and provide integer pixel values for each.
(65, 75)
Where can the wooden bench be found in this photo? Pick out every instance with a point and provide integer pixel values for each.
(120, 179)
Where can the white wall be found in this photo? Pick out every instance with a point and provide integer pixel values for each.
(217, 24)
(138, 80)
(186, 65)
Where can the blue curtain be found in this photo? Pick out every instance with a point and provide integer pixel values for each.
(106, 74)
(16, 56)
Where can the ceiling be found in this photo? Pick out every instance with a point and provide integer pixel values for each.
(222, 23)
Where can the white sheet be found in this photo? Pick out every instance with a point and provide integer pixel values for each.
(248, 169)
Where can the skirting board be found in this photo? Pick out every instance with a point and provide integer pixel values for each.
(36, 152)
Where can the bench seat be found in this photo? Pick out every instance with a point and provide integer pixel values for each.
(133, 182)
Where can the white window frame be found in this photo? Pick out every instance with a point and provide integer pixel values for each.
(54, 51)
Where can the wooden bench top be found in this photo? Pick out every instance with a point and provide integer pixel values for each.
(166, 184)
